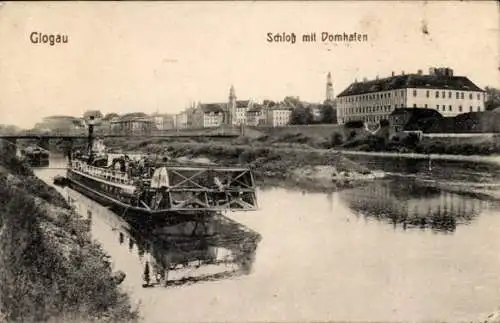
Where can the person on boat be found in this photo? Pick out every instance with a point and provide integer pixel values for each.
(123, 167)
(141, 165)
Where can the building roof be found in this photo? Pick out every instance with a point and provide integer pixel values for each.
(60, 118)
(420, 118)
(211, 107)
(457, 83)
(255, 108)
(242, 104)
(280, 107)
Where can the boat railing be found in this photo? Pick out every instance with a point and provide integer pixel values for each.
(107, 174)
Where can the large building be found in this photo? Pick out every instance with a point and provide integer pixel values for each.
(208, 115)
(163, 121)
(278, 116)
(374, 100)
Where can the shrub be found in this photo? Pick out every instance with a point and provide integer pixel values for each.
(354, 124)
(337, 139)
(411, 140)
(384, 123)
(39, 283)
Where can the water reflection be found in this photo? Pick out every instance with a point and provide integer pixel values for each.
(436, 169)
(183, 253)
(410, 203)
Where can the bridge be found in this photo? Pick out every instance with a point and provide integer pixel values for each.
(9, 140)
(81, 134)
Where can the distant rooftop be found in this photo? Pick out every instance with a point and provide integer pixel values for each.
(436, 79)
(242, 104)
(212, 107)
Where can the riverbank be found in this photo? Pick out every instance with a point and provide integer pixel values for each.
(50, 269)
(301, 166)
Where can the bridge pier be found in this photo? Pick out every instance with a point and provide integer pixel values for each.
(44, 143)
(67, 146)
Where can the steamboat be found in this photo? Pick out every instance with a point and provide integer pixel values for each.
(158, 188)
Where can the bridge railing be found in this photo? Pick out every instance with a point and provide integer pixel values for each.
(107, 174)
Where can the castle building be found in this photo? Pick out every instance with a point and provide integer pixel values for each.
(374, 100)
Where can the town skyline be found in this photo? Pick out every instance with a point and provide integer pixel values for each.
(153, 57)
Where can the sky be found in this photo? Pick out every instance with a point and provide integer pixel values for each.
(160, 56)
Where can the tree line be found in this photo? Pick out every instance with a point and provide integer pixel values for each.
(305, 115)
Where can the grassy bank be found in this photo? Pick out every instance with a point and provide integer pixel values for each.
(297, 163)
(50, 270)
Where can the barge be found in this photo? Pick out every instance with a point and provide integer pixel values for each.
(35, 156)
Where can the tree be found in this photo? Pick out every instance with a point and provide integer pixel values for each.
(328, 114)
(301, 115)
(110, 116)
(492, 98)
(384, 123)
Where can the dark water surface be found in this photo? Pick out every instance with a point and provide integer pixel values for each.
(397, 249)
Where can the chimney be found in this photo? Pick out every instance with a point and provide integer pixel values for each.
(365, 79)
(402, 72)
(376, 77)
(392, 73)
(419, 72)
(356, 80)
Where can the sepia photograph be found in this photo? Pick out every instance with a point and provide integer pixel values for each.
(249, 161)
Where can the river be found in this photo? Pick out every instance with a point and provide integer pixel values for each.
(397, 249)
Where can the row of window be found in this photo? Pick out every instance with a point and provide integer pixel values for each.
(366, 97)
(438, 94)
(387, 108)
(369, 119)
(382, 108)
(449, 108)
(442, 94)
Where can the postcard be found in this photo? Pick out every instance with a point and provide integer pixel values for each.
(250, 161)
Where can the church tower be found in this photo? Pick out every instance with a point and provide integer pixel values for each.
(329, 88)
(231, 107)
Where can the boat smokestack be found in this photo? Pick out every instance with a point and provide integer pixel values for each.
(91, 133)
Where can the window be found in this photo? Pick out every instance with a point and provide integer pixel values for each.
(437, 94)
(449, 108)
(478, 108)
(402, 92)
(444, 94)
(462, 95)
(414, 105)
(460, 108)
(426, 105)
(414, 92)
(437, 107)
(402, 105)
(458, 97)
(427, 93)
(470, 96)
(449, 95)
(470, 108)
